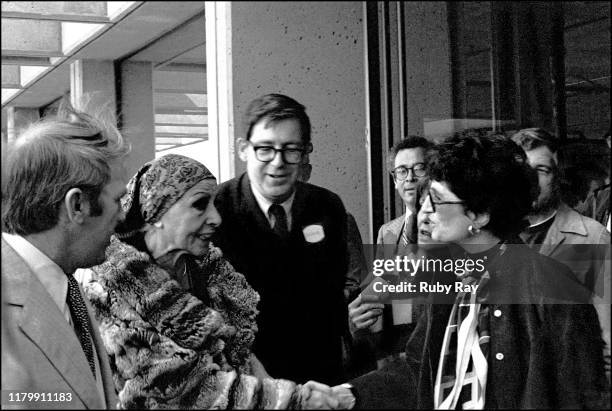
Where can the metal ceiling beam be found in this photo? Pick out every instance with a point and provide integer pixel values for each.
(11, 76)
(55, 17)
(181, 110)
(18, 38)
(69, 9)
(25, 60)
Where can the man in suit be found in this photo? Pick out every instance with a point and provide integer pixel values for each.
(407, 166)
(289, 239)
(558, 231)
(359, 356)
(60, 203)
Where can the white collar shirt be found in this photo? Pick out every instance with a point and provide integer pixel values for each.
(264, 205)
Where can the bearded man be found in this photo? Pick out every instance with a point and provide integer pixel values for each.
(558, 231)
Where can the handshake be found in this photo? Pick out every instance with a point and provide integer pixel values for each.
(317, 396)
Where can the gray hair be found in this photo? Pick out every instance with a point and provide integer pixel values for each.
(70, 150)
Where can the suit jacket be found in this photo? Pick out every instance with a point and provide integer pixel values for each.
(302, 311)
(391, 232)
(45, 351)
(390, 339)
(583, 245)
(357, 264)
(540, 356)
(571, 228)
(597, 205)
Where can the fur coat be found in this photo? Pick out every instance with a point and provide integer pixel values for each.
(167, 349)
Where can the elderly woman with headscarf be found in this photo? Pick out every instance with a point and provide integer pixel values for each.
(519, 333)
(177, 321)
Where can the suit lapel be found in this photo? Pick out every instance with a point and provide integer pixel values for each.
(564, 222)
(298, 209)
(45, 325)
(250, 207)
(393, 231)
(553, 240)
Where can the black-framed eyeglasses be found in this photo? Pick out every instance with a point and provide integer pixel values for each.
(291, 155)
(402, 172)
(438, 203)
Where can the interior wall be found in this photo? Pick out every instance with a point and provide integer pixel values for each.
(313, 52)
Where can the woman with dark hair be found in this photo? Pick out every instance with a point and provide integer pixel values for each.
(518, 334)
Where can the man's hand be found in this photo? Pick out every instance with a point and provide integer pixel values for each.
(317, 396)
(364, 315)
(344, 395)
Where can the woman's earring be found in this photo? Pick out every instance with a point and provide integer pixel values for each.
(159, 224)
(473, 230)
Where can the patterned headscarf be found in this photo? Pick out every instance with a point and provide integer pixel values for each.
(156, 187)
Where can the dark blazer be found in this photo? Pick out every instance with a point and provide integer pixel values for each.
(45, 354)
(302, 311)
(357, 264)
(551, 354)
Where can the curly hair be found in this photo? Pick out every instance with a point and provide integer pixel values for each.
(491, 175)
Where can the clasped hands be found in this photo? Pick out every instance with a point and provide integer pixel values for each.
(318, 396)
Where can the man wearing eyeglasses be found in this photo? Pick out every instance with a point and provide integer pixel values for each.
(289, 239)
(562, 233)
(407, 166)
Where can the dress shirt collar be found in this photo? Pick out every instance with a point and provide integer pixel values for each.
(264, 205)
(408, 213)
(553, 215)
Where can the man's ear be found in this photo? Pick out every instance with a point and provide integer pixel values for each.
(76, 206)
(480, 220)
(242, 148)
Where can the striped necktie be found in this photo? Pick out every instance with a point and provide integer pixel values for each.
(80, 320)
(405, 237)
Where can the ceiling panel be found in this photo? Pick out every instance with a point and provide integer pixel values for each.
(134, 30)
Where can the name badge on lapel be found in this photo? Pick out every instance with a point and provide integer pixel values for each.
(313, 233)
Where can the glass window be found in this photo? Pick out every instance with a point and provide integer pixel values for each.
(442, 68)
(181, 107)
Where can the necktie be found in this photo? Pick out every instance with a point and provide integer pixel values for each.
(407, 236)
(80, 319)
(280, 223)
(405, 241)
